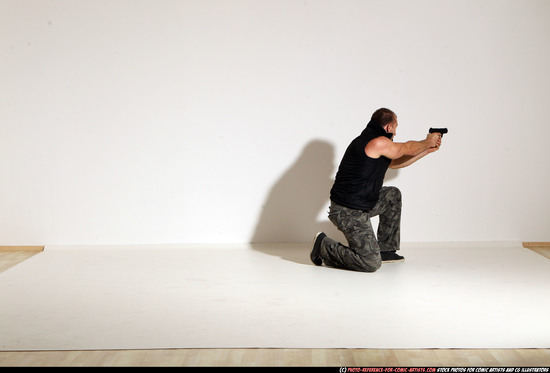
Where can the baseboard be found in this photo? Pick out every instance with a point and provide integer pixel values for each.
(536, 244)
(268, 245)
(41, 248)
(21, 248)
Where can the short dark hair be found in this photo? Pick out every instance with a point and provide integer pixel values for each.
(383, 116)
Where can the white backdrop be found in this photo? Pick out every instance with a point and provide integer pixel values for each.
(217, 121)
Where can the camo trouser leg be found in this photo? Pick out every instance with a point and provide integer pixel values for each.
(388, 209)
(363, 252)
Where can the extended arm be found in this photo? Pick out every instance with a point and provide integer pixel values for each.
(402, 154)
(407, 160)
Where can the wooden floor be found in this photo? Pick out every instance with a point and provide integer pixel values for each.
(273, 357)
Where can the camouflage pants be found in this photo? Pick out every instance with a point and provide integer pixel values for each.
(363, 252)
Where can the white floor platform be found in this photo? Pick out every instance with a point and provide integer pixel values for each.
(491, 295)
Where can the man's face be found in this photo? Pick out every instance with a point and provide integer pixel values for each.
(392, 128)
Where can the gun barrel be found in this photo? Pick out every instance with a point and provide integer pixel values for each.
(439, 130)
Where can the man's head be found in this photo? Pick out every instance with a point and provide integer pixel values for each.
(386, 119)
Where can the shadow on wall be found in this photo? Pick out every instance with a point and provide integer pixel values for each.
(293, 211)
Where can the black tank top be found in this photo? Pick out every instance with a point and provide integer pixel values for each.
(359, 177)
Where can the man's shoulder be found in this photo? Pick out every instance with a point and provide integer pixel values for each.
(379, 146)
(380, 139)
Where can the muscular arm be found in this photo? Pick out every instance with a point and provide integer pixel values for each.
(402, 154)
(407, 160)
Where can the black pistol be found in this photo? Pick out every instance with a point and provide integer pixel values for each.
(442, 131)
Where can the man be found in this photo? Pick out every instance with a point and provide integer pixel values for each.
(358, 194)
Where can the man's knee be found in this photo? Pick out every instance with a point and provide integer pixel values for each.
(372, 263)
(394, 193)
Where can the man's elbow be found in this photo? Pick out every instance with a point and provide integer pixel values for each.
(395, 165)
(411, 148)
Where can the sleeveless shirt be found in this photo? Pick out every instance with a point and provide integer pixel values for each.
(359, 178)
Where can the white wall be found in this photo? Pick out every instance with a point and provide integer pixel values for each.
(179, 121)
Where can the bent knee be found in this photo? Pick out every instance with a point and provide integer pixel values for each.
(394, 193)
(372, 265)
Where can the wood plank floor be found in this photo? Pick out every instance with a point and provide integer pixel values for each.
(271, 357)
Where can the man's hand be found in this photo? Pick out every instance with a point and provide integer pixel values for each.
(434, 140)
(437, 144)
